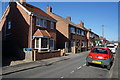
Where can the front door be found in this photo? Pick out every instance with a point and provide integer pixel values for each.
(52, 44)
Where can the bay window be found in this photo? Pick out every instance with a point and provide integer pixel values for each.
(41, 43)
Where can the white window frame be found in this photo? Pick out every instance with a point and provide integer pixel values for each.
(51, 25)
(41, 22)
(40, 43)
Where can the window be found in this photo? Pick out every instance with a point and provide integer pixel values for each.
(38, 22)
(91, 35)
(41, 43)
(72, 30)
(44, 42)
(99, 50)
(78, 31)
(83, 33)
(37, 42)
(9, 24)
(44, 23)
(41, 22)
(52, 25)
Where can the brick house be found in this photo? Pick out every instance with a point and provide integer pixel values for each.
(69, 35)
(103, 41)
(93, 39)
(28, 27)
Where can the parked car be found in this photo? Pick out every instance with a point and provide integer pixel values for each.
(100, 55)
(112, 47)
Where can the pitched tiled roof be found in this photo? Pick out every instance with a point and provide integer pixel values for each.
(82, 27)
(41, 33)
(65, 20)
(102, 38)
(36, 10)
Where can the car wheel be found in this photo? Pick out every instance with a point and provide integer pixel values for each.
(102, 66)
(108, 67)
(87, 64)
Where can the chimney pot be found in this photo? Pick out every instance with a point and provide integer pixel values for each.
(49, 9)
(68, 18)
(82, 24)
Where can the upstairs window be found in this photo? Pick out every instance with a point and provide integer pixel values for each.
(83, 33)
(41, 22)
(78, 31)
(44, 23)
(9, 25)
(52, 25)
(91, 35)
(37, 22)
(72, 30)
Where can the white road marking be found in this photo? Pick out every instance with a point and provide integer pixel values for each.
(84, 64)
(62, 77)
(72, 71)
(79, 67)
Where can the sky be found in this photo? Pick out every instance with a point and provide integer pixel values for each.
(93, 14)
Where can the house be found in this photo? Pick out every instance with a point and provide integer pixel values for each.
(93, 39)
(103, 41)
(27, 26)
(69, 35)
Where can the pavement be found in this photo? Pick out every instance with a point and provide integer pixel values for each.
(30, 65)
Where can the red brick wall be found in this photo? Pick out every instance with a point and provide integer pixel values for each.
(46, 55)
(52, 32)
(20, 25)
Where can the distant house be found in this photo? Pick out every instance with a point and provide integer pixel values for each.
(93, 39)
(69, 35)
(103, 41)
(28, 27)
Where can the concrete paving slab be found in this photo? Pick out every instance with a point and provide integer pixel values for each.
(29, 65)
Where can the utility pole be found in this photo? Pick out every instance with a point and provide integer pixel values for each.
(103, 31)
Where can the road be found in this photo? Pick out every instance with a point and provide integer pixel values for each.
(72, 68)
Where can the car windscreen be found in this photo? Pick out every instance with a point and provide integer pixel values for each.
(110, 46)
(99, 50)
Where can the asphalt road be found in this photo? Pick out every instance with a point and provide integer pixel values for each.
(72, 68)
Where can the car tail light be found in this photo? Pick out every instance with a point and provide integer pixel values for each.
(102, 58)
(90, 56)
(105, 58)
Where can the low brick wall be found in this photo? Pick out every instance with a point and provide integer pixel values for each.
(46, 55)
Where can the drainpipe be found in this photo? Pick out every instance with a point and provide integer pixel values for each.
(30, 33)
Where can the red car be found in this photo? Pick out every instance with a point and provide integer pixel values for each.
(100, 55)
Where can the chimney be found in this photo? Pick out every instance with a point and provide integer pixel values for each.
(89, 29)
(68, 18)
(82, 24)
(49, 9)
(22, 1)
